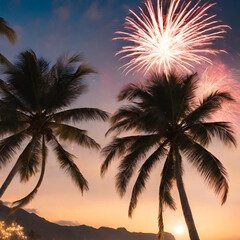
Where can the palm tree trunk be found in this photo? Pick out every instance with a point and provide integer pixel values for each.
(160, 235)
(184, 201)
(9, 178)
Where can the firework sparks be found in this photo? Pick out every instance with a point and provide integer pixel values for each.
(7, 232)
(219, 78)
(179, 39)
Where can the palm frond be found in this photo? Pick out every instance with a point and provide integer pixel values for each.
(66, 83)
(9, 145)
(12, 99)
(132, 92)
(124, 126)
(187, 93)
(222, 130)
(207, 164)
(66, 162)
(73, 134)
(143, 176)
(135, 153)
(75, 58)
(165, 98)
(7, 31)
(117, 147)
(200, 134)
(126, 113)
(65, 59)
(208, 106)
(165, 198)
(4, 61)
(167, 179)
(11, 127)
(203, 131)
(84, 69)
(22, 202)
(79, 114)
(27, 80)
(11, 114)
(126, 118)
(30, 159)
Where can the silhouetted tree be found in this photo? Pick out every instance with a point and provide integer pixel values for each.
(33, 106)
(170, 124)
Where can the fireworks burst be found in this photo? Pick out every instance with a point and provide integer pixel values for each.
(179, 39)
(219, 78)
(14, 230)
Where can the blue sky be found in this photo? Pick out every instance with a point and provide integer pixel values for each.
(52, 27)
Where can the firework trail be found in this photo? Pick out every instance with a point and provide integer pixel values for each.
(219, 78)
(175, 39)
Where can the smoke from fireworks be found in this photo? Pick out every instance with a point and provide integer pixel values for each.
(178, 39)
(219, 78)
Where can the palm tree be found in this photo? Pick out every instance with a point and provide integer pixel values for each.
(33, 103)
(7, 31)
(169, 124)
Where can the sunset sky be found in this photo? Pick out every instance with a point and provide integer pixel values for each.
(51, 28)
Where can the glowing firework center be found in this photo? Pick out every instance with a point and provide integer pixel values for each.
(178, 39)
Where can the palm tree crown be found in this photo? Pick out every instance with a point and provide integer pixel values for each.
(33, 105)
(168, 123)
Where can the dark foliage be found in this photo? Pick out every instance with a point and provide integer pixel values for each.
(167, 120)
(34, 97)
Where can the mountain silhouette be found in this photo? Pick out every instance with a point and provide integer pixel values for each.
(52, 231)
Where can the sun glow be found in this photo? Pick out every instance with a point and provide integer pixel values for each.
(178, 38)
(179, 230)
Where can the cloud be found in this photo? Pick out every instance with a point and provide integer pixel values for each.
(62, 12)
(13, 4)
(67, 223)
(62, 9)
(31, 210)
(94, 13)
(61, 2)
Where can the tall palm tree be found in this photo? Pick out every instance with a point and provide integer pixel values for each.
(33, 103)
(7, 31)
(168, 123)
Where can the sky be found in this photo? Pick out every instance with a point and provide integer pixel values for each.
(51, 28)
